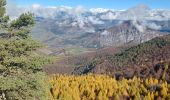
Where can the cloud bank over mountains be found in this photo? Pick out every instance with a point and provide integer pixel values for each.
(82, 17)
(139, 12)
(63, 25)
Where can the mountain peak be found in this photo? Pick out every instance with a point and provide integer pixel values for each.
(138, 12)
(141, 7)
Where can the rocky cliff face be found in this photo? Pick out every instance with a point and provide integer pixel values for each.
(128, 31)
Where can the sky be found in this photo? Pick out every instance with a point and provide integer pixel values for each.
(112, 4)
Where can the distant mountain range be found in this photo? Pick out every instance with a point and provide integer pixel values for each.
(95, 28)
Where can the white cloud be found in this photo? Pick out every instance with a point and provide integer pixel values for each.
(151, 25)
(154, 26)
(109, 16)
(36, 6)
(100, 10)
(95, 20)
(140, 27)
(79, 10)
(105, 33)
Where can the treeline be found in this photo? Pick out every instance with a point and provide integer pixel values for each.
(102, 87)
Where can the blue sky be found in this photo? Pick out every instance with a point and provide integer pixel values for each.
(113, 4)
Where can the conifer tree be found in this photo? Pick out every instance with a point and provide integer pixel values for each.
(21, 75)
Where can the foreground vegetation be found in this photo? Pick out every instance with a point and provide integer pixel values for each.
(21, 74)
(101, 87)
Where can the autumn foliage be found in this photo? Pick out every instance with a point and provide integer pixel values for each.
(102, 87)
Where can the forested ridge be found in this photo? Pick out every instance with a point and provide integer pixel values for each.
(148, 59)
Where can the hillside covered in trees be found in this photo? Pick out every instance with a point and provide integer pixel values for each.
(139, 73)
(151, 58)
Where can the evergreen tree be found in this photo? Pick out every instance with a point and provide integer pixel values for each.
(2, 8)
(21, 74)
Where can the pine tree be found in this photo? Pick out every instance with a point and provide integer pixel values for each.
(21, 75)
(2, 8)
